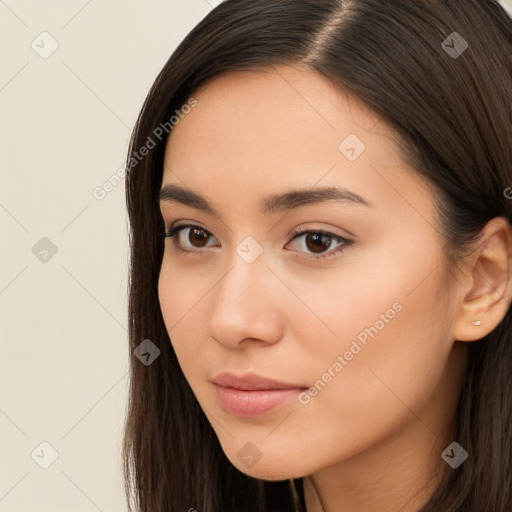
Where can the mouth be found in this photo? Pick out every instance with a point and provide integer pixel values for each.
(250, 382)
(252, 395)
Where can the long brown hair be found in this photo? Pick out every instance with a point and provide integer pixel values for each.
(450, 105)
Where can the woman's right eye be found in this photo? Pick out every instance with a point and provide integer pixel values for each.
(195, 236)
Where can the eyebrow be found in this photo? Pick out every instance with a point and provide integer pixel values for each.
(273, 204)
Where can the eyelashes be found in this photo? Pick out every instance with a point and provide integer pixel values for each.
(319, 237)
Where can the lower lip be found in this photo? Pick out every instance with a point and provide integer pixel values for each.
(255, 403)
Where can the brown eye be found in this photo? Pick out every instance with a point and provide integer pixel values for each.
(195, 237)
(198, 237)
(317, 242)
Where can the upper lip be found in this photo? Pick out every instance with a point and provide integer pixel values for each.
(250, 382)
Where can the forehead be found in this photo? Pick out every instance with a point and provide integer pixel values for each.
(283, 127)
(254, 113)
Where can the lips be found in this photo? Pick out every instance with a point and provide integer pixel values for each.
(252, 395)
(251, 382)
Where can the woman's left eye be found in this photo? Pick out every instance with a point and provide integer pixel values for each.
(315, 242)
(318, 241)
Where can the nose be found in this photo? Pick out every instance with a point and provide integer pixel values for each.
(246, 305)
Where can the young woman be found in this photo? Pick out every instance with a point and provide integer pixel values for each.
(319, 199)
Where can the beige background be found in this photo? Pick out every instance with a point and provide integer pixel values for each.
(65, 125)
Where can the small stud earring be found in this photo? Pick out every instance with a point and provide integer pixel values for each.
(477, 323)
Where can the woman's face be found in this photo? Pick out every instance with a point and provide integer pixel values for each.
(359, 315)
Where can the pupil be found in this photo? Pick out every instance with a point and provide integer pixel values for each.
(323, 239)
(202, 239)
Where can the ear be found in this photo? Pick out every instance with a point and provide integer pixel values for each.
(486, 286)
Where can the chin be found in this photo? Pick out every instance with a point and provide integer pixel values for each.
(270, 467)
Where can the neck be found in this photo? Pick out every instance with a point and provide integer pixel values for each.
(378, 480)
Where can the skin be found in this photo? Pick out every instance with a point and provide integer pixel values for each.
(372, 438)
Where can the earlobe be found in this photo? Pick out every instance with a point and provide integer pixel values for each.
(486, 287)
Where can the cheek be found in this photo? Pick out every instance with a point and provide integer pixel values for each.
(181, 287)
(379, 339)
(180, 294)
